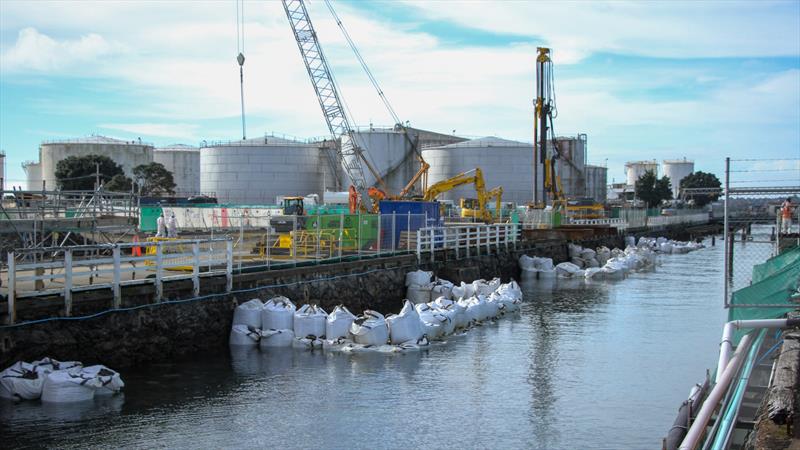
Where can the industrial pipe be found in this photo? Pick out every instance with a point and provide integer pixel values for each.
(726, 345)
(698, 427)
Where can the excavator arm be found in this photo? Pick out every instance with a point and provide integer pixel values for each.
(475, 177)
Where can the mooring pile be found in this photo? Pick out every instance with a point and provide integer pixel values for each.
(278, 323)
(58, 381)
(604, 263)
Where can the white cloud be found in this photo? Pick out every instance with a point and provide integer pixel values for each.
(34, 51)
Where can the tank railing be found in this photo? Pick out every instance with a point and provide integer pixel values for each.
(64, 271)
(98, 140)
(466, 240)
(68, 204)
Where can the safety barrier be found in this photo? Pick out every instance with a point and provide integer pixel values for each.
(466, 240)
(66, 270)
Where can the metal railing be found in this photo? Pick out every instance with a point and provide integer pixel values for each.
(631, 218)
(66, 270)
(466, 240)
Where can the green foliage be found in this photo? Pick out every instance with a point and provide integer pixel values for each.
(652, 190)
(76, 173)
(701, 179)
(155, 179)
(120, 183)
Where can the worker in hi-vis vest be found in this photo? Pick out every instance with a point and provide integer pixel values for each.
(786, 216)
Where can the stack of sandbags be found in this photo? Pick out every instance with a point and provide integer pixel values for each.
(309, 326)
(277, 323)
(568, 270)
(419, 286)
(58, 382)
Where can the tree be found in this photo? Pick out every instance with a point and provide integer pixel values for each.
(154, 178)
(77, 173)
(120, 183)
(652, 190)
(701, 179)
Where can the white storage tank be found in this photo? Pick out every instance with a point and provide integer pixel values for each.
(504, 163)
(677, 170)
(184, 163)
(127, 154)
(596, 183)
(33, 175)
(635, 169)
(256, 171)
(571, 166)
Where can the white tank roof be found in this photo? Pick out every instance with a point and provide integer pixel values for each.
(96, 139)
(178, 147)
(678, 161)
(488, 141)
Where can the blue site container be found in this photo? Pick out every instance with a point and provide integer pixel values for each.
(409, 216)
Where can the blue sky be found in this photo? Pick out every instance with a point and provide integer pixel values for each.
(644, 80)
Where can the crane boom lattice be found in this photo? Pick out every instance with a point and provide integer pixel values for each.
(348, 154)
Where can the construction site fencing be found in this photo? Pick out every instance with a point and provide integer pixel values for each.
(752, 194)
(533, 219)
(66, 270)
(465, 240)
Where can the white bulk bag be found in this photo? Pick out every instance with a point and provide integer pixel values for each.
(310, 320)
(310, 342)
(68, 386)
(418, 277)
(527, 263)
(419, 293)
(276, 338)
(483, 287)
(567, 270)
(448, 326)
(442, 288)
(459, 316)
(47, 365)
(21, 381)
(431, 321)
(109, 381)
(574, 250)
(244, 335)
(594, 273)
(630, 241)
(370, 329)
(460, 291)
(476, 309)
(278, 314)
(507, 299)
(248, 313)
(405, 326)
(578, 262)
(471, 312)
(511, 289)
(338, 323)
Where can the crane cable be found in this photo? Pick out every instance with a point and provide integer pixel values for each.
(240, 57)
(363, 63)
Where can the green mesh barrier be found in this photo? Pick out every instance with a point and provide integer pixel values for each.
(775, 264)
(775, 289)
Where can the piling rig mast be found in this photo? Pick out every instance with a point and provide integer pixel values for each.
(542, 130)
(348, 154)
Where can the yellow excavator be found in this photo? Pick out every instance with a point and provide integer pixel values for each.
(474, 176)
(470, 207)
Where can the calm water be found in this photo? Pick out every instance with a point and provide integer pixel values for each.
(583, 366)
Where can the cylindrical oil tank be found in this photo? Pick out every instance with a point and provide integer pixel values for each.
(571, 166)
(33, 175)
(504, 163)
(635, 169)
(184, 163)
(596, 183)
(257, 171)
(127, 154)
(389, 153)
(677, 170)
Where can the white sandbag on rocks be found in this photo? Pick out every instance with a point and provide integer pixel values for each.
(477, 309)
(574, 250)
(527, 263)
(603, 255)
(68, 386)
(459, 316)
(471, 310)
(405, 326)
(21, 381)
(418, 277)
(417, 293)
(511, 289)
(338, 323)
(630, 241)
(449, 326)
(507, 299)
(310, 320)
(579, 262)
(370, 329)
(483, 287)
(568, 270)
(494, 307)
(47, 365)
(248, 313)
(594, 273)
(442, 288)
(278, 314)
(244, 335)
(276, 338)
(432, 321)
(108, 381)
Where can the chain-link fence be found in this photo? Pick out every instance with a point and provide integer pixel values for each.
(757, 220)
